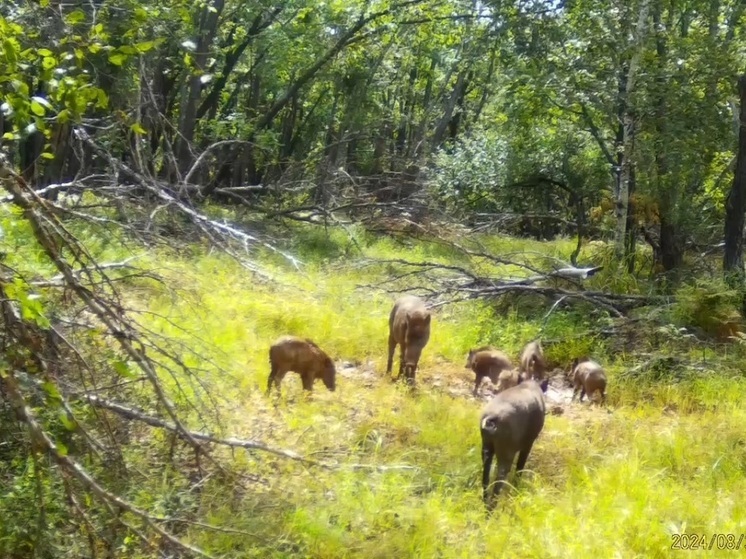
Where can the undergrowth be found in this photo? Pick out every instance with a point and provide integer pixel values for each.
(666, 457)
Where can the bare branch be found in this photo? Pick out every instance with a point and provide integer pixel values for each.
(133, 414)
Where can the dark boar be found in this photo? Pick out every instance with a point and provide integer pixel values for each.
(290, 353)
(409, 326)
(532, 363)
(495, 365)
(588, 377)
(510, 424)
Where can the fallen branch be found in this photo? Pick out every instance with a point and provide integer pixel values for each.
(133, 414)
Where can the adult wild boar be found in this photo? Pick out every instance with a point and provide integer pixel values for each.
(409, 326)
(510, 424)
(489, 362)
(532, 362)
(290, 353)
(587, 377)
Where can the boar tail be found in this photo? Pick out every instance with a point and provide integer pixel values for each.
(492, 426)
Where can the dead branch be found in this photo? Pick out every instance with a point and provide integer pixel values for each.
(457, 283)
(214, 230)
(133, 414)
(44, 443)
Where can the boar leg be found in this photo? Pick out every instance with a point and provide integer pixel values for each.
(271, 379)
(603, 397)
(401, 361)
(523, 456)
(487, 454)
(477, 382)
(307, 380)
(504, 463)
(392, 349)
(276, 376)
(582, 393)
(575, 393)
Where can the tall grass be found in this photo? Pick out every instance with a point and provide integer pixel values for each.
(667, 457)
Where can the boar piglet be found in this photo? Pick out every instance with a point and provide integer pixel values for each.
(587, 377)
(510, 424)
(532, 363)
(290, 353)
(488, 362)
(409, 326)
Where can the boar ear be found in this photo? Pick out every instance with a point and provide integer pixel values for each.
(427, 320)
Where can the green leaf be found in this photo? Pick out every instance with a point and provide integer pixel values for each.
(66, 421)
(94, 48)
(117, 59)
(9, 136)
(145, 46)
(47, 155)
(37, 108)
(48, 62)
(10, 51)
(51, 389)
(138, 129)
(123, 369)
(76, 16)
(42, 101)
(61, 449)
(102, 100)
(44, 52)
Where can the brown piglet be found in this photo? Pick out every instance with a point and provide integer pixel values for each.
(493, 364)
(587, 377)
(409, 326)
(533, 364)
(290, 353)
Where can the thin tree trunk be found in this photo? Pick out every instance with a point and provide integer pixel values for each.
(735, 207)
(207, 29)
(622, 198)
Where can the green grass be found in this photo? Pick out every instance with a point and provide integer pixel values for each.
(668, 457)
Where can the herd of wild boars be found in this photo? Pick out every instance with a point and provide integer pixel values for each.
(511, 421)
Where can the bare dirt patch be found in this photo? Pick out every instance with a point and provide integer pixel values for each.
(458, 382)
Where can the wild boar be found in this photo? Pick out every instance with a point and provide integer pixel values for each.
(290, 353)
(510, 424)
(488, 362)
(532, 362)
(409, 326)
(588, 377)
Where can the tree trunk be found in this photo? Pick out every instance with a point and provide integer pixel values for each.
(207, 29)
(735, 207)
(622, 198)
(631, 240)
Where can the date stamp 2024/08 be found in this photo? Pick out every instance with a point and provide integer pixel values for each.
(715, 541)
